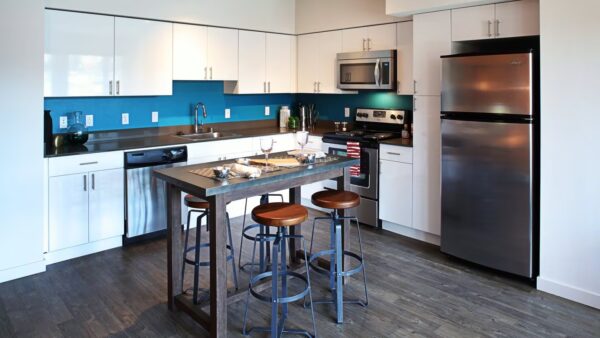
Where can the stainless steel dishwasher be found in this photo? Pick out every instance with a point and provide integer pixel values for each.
(145, 208)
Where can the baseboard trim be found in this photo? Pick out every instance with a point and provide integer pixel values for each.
(83, 250)
(22, 271)
(410, 232)
(569, 292)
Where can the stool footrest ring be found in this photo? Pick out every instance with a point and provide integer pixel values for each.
(288, 299)
(330, 252)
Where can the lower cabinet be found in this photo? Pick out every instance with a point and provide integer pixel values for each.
(395, 193)
(85, 207)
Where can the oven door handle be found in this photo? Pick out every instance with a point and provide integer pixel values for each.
(376, 73)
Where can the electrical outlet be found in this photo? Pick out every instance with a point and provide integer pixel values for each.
(89, 120)
(227, 113)
(63, 122)
(347, 112)
(154, 117)
(124, 118)
(267, 110)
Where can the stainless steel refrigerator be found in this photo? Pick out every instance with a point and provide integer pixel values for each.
(488, 125)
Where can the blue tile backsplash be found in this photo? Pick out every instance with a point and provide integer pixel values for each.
(177, 109)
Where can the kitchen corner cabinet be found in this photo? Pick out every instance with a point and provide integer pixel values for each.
(266, 63)
(404, 66)
(379, 37)
(503, 20)
(143, 57)
(78, 54)
(317, 55)
(426, 164)
(431, 39)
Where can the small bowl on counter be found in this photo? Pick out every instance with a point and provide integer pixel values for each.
(307, 158)
(221, 172)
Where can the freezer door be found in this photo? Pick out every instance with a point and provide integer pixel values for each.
(487, 194)
(497, 84)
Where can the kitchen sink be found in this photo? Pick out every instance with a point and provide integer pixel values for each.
(207, 136)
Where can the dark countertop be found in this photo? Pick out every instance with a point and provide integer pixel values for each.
(403, 142)
(159, 137)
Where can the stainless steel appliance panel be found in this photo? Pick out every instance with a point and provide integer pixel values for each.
(146, 200)
(365, 185)
(366, 70)
(487, 193)
(497, 84)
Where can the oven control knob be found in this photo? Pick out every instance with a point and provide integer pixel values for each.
(400, 117)
(393, 117)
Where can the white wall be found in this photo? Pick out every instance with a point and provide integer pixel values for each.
(21, 130)
(321, 15)
(570, 154)
(266, 15)
(410, 7)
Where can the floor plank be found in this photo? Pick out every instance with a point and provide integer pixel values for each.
(414, 290)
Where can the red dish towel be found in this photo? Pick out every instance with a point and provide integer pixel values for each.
(353, 149)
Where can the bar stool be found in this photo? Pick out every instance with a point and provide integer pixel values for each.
(281, 216)
(338, 200)
(198, 205)
(262, 230)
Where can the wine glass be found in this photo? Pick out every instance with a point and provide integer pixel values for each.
(266, 145)
(302, 139)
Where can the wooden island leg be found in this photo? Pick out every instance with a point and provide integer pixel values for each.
(218, 266)
(295, 245)
(174, 244)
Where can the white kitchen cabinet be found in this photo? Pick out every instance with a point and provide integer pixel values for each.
(308, 63)
(78, 54)
(279, 51)
(143, 57)
(473, 23)
(68, 211)
(222, 56)
(395, 193)
(330, 43)
(518, 18)
(502, 20)
(379, 37)
(404, 65)
(426, 164)
(190, 43)
(431, 39)
(252, 63)
(106, 204)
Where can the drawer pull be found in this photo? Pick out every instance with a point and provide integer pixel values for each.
(88, 163)
(390, 153)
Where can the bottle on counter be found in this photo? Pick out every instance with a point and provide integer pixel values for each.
(284, 116)
(405, 132)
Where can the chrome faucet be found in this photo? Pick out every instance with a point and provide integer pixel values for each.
(204, 115)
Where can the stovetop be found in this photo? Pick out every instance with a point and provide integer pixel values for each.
(371, 135)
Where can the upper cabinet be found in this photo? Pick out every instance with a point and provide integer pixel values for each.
(266, 65)
(98, 55)
(378, 37)
(503, 20)
(143, 57)
(431, 39)
(204, 53)
(404, 45)
(317, 55)
(78, 54)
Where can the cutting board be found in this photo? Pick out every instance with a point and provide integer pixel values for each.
(280, 162)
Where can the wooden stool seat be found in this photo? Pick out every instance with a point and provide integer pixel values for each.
(279, 214)
(333, 199)
(194, 202)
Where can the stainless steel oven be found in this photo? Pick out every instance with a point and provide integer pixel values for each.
(374, 70)
(366, 184)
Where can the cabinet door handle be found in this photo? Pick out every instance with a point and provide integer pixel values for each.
(88, 163)
(389, 153)
(489, 28)
(118, 87)
(93, 182)
(368, 44)
(364, 48)
(315, 87)
(414, 104)
(264, 87)
(110, 87)
(84, 182)
(211, 73)
(205, 73)
(269, 86)
(415, 86)
(319, 87)
(497, 28)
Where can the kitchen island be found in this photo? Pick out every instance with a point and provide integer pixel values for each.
(218, 194)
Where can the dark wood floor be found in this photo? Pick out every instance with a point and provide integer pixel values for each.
(414, 291)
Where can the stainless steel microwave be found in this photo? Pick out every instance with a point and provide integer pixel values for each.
(372, 70)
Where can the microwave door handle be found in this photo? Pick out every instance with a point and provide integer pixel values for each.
(376, 73)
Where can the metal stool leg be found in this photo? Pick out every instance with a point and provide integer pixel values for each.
(185, 246)
(235, 279)
(242, 237)
(362, 257)
(312, 309)
(197, 257)
(244, 332)
(274, 289)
